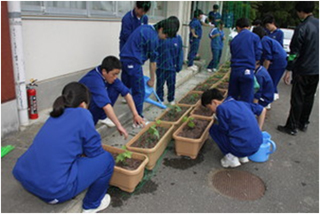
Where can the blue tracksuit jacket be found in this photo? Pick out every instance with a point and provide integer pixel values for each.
(102, 93)
(277, 35)
(273, 51)
(141, 45)
(129, 23)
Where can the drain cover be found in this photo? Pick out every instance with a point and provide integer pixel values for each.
(237, 184)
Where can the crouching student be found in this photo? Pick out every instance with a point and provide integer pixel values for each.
(236, 130)
(66, 156)
(105, 88)
(264, 95)
(169, 63)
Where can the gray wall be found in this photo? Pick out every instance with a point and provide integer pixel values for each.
(9, 117)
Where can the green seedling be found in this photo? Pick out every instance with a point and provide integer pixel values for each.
(174, 109)
(190, 120)
(153, 131)
(194, 97)
(123, 156)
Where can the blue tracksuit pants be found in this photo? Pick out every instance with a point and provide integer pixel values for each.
(215, 58)
(169, 77)
(276, 74)
(194, 47)
(132, 77)
(95, 173)
(241, 84)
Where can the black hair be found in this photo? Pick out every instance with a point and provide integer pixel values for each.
(212, 19)
(215, 7)
(305, 6)
(243, 22)
(110, 62)
(209, 95)
(260, 31)
(170, 26)
(257, 22)
(268, 19)
(197, 13)
(145, 5)
(73, 94)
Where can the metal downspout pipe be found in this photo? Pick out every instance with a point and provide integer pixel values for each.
(15, 22)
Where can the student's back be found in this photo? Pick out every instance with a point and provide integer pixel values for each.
(141, 45)
(48, 167)
(170, 54)
(273, 51)
(245, 50)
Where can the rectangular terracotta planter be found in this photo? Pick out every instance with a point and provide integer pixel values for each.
(127, 180)
(194, 114)
(176, 123)
(154, 153)
(187, 146)
(191, 105)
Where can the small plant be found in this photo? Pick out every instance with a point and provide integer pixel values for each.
(190, 120)
(123, 156)
(174, 109)
(153, 131)
(194, 97)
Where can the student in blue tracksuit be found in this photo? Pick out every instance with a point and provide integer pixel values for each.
(236, 130)
(273, 57)
(133, 19)
(264, 95)
(142, 45)
(217, 16)
(245, 49)
(217, 36)
(105, 88)
(273, 31)
(169, 63)
(194, 38)
(54, 168)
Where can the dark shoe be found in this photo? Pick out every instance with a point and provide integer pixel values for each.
(287, 130)
(303, 127)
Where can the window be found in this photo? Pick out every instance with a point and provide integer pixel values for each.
(102, 9)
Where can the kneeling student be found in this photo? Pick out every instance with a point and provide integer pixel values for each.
(236, 130)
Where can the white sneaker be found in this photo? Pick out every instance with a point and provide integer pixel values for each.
(193, 68)
(172, 103)
(108, 122)
(244, 160)
(123, 101)
(230, 160)
(214, 70)
(209, 70)
(268, 107)
(103, 205)
(275, 97)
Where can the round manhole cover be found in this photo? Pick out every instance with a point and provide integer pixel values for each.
(238, 184)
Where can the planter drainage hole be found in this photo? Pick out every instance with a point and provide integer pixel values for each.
(237, 184)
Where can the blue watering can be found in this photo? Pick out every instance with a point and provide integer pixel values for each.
(148, 91)
(265, 149)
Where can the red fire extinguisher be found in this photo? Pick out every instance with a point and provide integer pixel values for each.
(32, 99)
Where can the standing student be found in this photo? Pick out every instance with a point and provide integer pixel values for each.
(273, 58)
(142, 45)
(304, 66)
(169, 63)
(245, 51)
(217, 16)
(273, 31)
(222, 38)
(227, 18)
(236, 130)
(133, 19)
(54, 168)
(194, 38)
(264, 95)
(105, 88)
(216, 47)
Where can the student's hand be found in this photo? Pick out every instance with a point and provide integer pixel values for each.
(287, 78)
(122, 132)
(151, 83)
(195, 36)
(139, 121)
